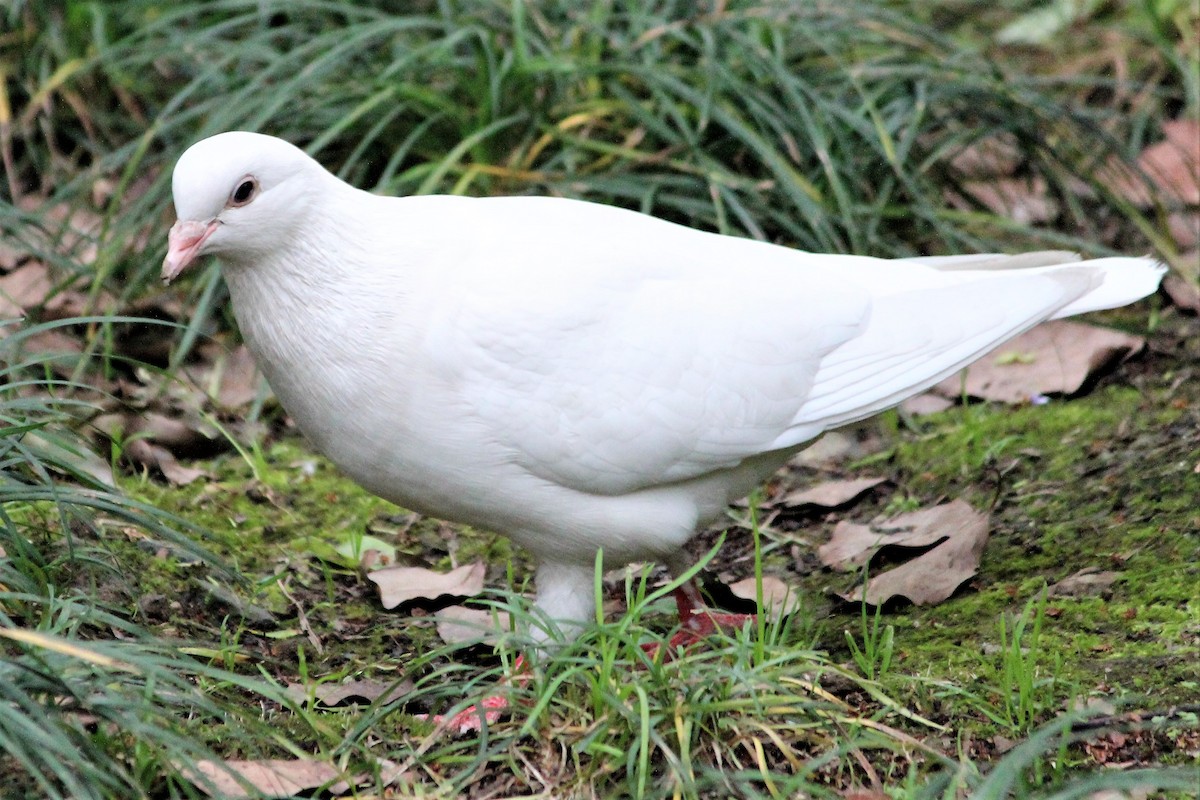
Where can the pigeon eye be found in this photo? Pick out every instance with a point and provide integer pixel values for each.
(244, 193)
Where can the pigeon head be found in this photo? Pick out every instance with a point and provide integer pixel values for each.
(238, 195)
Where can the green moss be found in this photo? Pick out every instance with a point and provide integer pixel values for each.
(1101, 481)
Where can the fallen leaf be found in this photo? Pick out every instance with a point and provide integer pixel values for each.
(1002, 744)
(937, 573)
(227, 598)
(11, 254)
(23, 288)
(1174, 163)
(853, 544)
(33, 286)
(228, 377)
(779, 597)
(398, 585)
(837, 447)
(69, 229)
(1185, 228)
(1183, 293)
(53, 347)
(458, 624)
(988, 157)
(148, 454)
(1172, 166)
(239, 380)
(71, 454)
(925, 403)
(1134, 793)
(1045, 22)
(390, 774)
(1024, 201)
(1087, 582)
(271, 777)
(1053, 358)
(831, 494)
(351, 692)
(189, 438)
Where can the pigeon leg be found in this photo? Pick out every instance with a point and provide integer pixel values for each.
(697, 620)
(489, 709)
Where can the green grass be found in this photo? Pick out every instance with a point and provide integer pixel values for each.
(147, 627)
(828, 128)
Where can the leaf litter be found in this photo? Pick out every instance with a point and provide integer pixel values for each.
(401, 585)
(1054, 358)
(831, 494)
(460, 624)
(364, 690)
(275, 778)
(224, 380)
(948, 540)
(1087, 582)
(780, 598)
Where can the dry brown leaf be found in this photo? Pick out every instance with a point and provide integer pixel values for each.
(1185, 228)
(1133, 793)
(853, 544)
(831, 494)
(73, 455)
(836, 447)
(33, 286)
(1172, 166)
(174, 433)
(925, 403)
(989, 157)
(72, 229)
(271, 777)
(937, 573)
(399, 585)
(182, 437)
(391, 773)
(1087, 582)
(1183, 293)
(352, 692)
(1025, 201)
(228, 377)
(23, 288)
(56, 347)
(11, 255)
(779, 597)
(1174, 163)
(237, 379)
(457, 624)
(146, 453)
(1053, 358)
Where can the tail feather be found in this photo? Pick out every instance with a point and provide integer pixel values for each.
(892, 359)
(1125, 281)
(997, 261)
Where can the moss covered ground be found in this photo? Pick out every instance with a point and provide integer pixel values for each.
(1107, 480)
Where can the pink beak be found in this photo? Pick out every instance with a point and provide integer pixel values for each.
(184, 241)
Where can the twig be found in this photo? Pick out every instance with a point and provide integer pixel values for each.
(302, 618)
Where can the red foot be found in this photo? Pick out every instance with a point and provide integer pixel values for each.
(490, 708)
(697, 620)
(471, 718)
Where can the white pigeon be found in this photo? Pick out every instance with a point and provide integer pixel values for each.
(575, 376)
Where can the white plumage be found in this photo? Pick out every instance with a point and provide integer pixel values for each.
(573, 375)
